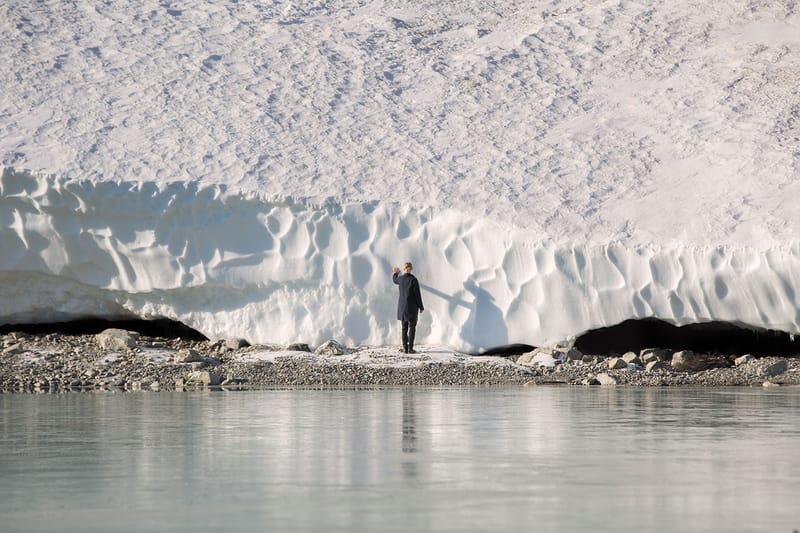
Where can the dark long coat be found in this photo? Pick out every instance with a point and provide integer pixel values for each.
(410, 302)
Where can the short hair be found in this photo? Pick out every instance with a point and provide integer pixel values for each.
(408, 266)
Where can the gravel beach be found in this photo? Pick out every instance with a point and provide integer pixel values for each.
(118, 360)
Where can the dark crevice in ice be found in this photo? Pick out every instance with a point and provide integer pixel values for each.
(508, 350)
(161, 327)
(709, 337)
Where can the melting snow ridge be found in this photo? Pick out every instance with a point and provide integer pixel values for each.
(234, 265)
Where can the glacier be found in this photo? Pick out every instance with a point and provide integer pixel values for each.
(229, 264)
(255, 169)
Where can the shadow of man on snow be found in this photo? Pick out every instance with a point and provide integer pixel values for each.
(485, 326)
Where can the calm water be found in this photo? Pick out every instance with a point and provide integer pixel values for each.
(452, 459)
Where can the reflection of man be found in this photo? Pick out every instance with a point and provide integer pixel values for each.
(409, 305)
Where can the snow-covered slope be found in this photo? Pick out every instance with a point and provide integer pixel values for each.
(255, 169)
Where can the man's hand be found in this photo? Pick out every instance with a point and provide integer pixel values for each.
(395, 270)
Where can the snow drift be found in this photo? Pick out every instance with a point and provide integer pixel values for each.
(229, 264)
(255, 169)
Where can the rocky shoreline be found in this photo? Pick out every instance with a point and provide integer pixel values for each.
(119, 360)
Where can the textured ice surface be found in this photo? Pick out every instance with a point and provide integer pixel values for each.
(255, 169)
(242, 266)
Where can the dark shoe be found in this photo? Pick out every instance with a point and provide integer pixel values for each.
(411, 350)
(405, 349)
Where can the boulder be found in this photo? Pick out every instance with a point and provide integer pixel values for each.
(662, 354)
(739, 361)
(13, 349)
(632, 359)
(235, 344)
(773, 369)
(540, 357)
(330, 348)
(297, 347)
(564, 354)
(605, 379)
(685, 360)
(617, 363)
(574, 354)
(202, 378)
(117, 339)
(188, 356)
(652, 366)
(649, 357)
(688, 361)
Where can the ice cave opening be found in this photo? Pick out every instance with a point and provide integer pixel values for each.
(159, 327)
(717, 337)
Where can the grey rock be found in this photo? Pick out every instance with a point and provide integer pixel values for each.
(298, 347)
(616, 363)
(235, 344)
(773, 369)
(201, 378)
(744, 359)
(331, 348)
(13, 349)
(662, 354)
(769, 384)
(649, 357)
(117, 339)
(684, 360)
(217, 345)
(188, 356)
(652, 366)
(605, 379)
(688, 361)
(590, 380)
(574, 354)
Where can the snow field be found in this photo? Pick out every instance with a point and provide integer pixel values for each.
(255, 169)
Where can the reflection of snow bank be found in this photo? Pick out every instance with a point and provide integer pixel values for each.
(270, 271)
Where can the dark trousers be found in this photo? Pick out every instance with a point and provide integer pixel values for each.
(409, 331)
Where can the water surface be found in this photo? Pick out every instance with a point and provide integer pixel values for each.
(449, 459)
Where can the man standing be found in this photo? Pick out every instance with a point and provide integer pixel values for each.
(409, 305)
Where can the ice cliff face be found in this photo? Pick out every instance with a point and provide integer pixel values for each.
(234, 265)
(255, 169)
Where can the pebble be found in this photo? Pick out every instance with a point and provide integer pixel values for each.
(57, 363)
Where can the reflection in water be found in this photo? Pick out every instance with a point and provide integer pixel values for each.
(466, 459)
(409, 422)
(409, 431)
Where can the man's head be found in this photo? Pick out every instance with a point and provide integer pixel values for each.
(407, 267)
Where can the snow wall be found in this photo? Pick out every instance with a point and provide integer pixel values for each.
(236, 265)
